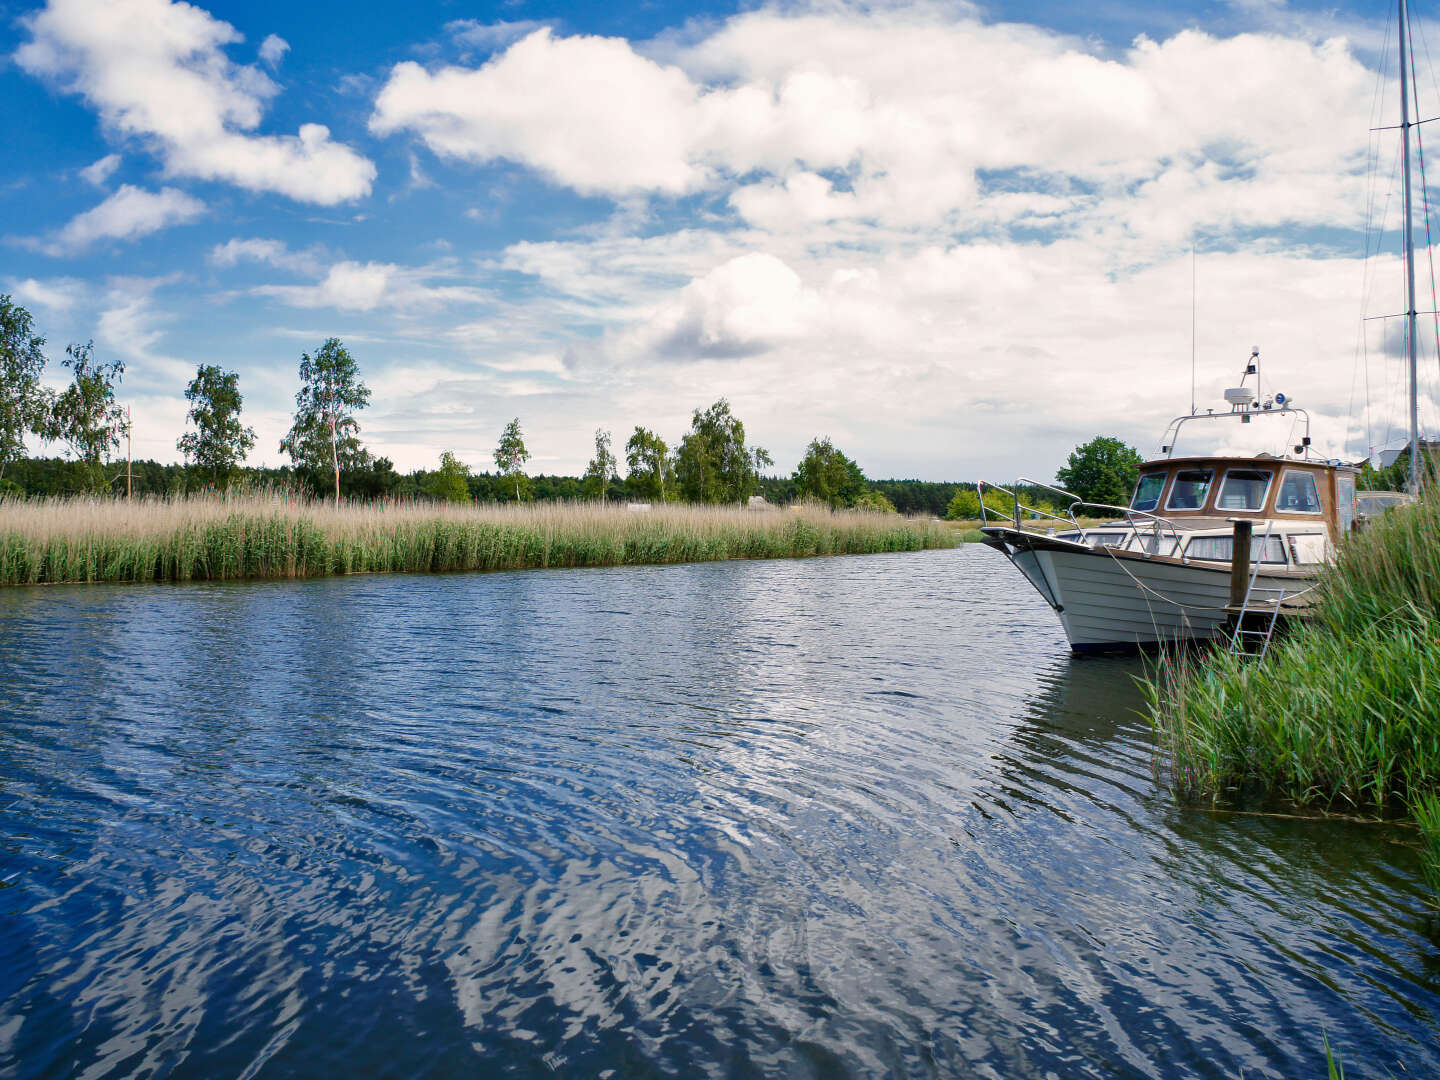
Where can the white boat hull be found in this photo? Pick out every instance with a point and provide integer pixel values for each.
(1109, 600)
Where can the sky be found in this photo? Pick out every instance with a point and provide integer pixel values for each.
(957, 239)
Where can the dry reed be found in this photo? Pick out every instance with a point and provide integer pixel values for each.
(212, 537)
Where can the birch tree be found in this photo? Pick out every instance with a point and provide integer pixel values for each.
(325, 431)
(602, 468)
(219, 442)
(511, 454)
(24, 403)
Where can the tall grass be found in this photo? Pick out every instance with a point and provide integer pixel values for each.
(215, 537)
(1346, 710)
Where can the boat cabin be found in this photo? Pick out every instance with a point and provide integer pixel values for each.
(1209, 492)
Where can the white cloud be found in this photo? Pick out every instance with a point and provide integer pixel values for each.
(55, 294)
(157, 71)
(355, 286)
(490, 36)
(273, 49)
(748, 305)
(100, 171)
(128, 214)
(587, 112)
(268, 252)
(906, 117)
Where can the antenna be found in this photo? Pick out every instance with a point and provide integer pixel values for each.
(1192, 323)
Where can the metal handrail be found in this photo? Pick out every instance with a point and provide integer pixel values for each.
(1035, 512)
(1136, 520)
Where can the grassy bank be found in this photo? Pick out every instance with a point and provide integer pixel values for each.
(1346, 711)
(261, 536)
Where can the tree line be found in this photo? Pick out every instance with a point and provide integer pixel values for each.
(710, 463)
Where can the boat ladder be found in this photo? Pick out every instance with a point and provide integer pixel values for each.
(1243, 640)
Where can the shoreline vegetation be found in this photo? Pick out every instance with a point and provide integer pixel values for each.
(1344, 712)
(254, 536)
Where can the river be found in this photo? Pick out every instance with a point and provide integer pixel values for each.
(854, 816)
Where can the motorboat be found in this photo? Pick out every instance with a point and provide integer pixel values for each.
(1160, 569)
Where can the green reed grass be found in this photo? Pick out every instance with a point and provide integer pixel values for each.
(276, 536)
(1346, 709)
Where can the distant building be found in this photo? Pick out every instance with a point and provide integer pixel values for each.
(757, 502)
(1430, 448)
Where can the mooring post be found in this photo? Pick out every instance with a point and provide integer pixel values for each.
(1240, 561)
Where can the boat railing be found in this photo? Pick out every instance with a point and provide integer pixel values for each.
(1021, 512)
(1151, 530)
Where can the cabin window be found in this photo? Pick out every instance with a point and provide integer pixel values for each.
(1298, 494)
(1345, 500)
(1244, 489)
(1190, 488)
(1266, 549)
(1147, 491)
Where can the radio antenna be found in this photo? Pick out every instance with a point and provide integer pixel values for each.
(1192, 324)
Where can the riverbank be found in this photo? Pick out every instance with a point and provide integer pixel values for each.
(214, 537)
(1345, 712)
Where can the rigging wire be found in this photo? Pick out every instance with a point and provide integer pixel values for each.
(1425, 203)
(1367, 278)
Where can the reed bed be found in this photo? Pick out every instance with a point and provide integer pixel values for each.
(227, 537)
(1344, 711)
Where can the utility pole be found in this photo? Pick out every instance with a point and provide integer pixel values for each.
(128, 457)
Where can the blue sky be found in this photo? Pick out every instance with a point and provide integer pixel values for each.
(956, 239)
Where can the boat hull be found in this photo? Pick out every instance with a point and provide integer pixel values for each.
(1111, 600)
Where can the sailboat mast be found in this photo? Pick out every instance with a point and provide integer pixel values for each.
(1404, 33)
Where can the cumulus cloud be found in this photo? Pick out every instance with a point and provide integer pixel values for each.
(748, 305)
(128, 214)
(909, 118)
(587, 112)
(100, 171)
(157, 71)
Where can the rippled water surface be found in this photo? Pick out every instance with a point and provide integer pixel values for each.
(854, 816)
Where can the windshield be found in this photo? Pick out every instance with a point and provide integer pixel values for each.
(1147, 491)
(1191, 487)
(1244, 489)
(1298, 494)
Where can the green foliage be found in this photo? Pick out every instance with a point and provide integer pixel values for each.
(1104, 470)
(1396, 476)
(451, 483)
(24, 403)
(1343, 710)
(650, 466)
(85, 416)
(875, 503)
(713, 464)
(602, 468)
(827, 475)
(511, 455)
(965, 506)
(325, 435)
(219, 443)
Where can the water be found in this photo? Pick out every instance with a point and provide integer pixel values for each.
(858, 816)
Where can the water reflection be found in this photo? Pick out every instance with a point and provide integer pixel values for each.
(851, 816)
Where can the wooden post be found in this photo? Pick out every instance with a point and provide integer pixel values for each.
(1240, 561)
